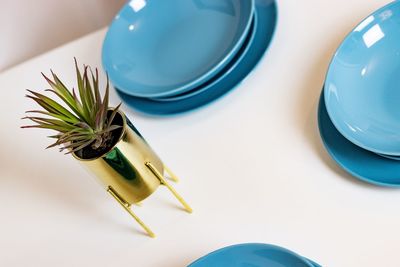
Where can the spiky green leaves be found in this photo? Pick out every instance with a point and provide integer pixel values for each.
(80, 120)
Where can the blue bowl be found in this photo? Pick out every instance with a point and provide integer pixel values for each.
(251, 52)
(159, 48)
(362, 88)
(255, 255)
(210, 84)
(363, 164)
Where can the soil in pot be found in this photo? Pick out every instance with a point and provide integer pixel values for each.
(90, 153)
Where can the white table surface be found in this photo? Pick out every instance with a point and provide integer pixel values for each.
(252, 165)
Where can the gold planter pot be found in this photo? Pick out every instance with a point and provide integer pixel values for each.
(131, 171)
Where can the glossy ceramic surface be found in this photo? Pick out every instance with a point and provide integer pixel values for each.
(362, 88)
(266, 12)
(390, 157)
(255, 255)
(159, 48)
(361, 163)
(211, 83)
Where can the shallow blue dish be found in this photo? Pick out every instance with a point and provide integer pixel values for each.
(361, 163)
(266, 12)
(254, 255)
(210, 84)
(158, 48)
(362, 88)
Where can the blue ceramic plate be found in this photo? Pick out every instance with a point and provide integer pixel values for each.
(362, 88)
(266, 13)
(254, 255)
(225, 72)
(361, 163)
(158, 48)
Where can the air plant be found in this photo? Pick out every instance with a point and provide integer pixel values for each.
(81, 122)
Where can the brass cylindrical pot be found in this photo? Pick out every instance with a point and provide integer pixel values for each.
(123, 166)
(129, 169)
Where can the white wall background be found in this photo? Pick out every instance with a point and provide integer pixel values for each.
(32, 27)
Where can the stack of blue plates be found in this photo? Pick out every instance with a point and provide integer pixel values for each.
(167, 57)
(359, 111)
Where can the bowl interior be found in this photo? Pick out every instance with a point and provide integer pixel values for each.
(223, 73)
(158, 48)
(362, 89)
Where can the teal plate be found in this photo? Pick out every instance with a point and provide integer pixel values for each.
(159, 48)
(361, 163)
(362, 86)
(266, 12)
(254, 255)
(219, 77)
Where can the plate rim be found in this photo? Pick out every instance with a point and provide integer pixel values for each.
(339, 162)
(264, 245)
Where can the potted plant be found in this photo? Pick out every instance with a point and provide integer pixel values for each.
(101, 138)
